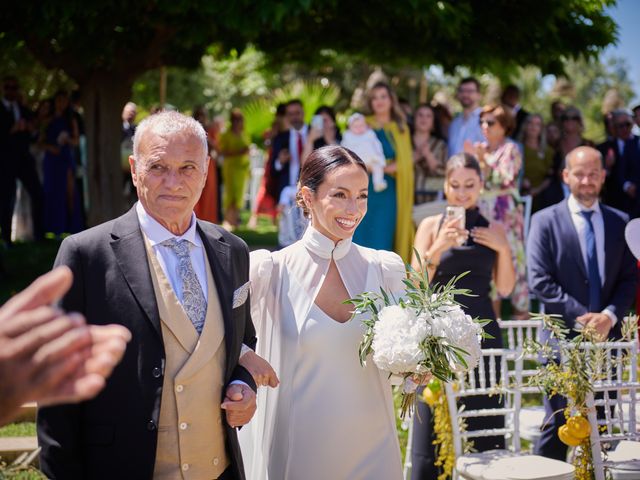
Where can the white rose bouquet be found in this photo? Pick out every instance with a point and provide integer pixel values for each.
(425, 333)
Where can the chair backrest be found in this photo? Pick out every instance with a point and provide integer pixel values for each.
(615, 396)
(518, 334)
(489, 378)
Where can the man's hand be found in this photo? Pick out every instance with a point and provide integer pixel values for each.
(599, 322)
(48, 356)
(631, 190)
(240, 404)
(108, 344)
(284, 156)
(260, 369)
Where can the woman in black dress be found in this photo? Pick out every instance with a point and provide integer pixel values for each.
(486, 255)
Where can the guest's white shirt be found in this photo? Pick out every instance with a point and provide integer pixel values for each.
(462, 129)
(294, 162)
(294, 166)
(580, 224)
(13, 107)
(167, 259)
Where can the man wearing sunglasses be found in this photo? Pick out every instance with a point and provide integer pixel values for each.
(622, 159)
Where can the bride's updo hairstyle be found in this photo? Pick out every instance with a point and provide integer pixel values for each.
(318, 164)
(462, 160)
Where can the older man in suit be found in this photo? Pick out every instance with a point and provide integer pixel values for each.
(580, 268)
(180, 286)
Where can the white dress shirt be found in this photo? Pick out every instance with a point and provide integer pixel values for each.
(12, 107)
(294, 162)
(462, 129)
(580, 224)
(167, 259)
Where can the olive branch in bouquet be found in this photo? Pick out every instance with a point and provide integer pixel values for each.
(421, 296)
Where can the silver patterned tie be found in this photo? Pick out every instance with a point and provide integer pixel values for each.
(194, 302)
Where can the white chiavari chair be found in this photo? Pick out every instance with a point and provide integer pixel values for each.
(492, 373)
(518, 333)
(615, 433)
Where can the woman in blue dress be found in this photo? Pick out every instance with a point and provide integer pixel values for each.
(389, 225)
(62, 200)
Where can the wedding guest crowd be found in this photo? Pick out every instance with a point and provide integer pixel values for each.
(343, 212)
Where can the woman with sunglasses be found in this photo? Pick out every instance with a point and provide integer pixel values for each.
(501, 162)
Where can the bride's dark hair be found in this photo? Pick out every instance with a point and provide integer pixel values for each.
(318, 164)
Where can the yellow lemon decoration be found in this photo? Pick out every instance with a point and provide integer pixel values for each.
(578, 427)
(567, 438)
(430, 397)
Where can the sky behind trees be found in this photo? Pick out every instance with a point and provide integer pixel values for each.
(627, 15)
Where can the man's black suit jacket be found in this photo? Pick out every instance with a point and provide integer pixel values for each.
(278, 178)
(557, 273)
(13, 146)
(625, 168)
(115, 434)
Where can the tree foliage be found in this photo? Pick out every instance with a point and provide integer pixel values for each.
(106, 44)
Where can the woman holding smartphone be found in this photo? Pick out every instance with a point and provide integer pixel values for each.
(323, 131)
(460, 241)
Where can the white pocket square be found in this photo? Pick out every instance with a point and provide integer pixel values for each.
(241, 294)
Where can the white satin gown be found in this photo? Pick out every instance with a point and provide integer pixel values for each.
(330, 417)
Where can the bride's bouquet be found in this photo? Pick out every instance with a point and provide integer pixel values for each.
(424, 333)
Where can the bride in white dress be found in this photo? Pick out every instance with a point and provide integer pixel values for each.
(330, 418)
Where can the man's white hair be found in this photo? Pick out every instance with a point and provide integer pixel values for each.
(168, 123)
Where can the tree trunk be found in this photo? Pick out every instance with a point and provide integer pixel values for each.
(104, 96)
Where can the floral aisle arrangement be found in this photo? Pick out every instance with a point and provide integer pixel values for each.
(571, 371)
(422, 334)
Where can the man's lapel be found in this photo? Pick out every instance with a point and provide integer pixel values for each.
(570, 236)
(219, 256)
(128, 248)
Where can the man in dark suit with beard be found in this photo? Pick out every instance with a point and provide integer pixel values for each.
(180, 285)
(580, 268)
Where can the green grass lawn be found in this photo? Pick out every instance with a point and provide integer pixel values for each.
(23, 429)
(22, 263)
(25, 261)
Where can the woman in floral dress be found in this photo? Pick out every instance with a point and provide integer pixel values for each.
(501, 162)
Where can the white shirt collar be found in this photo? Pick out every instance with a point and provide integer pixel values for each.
(302, 131)
(324, 247)
(576, 207)
(157, 234)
